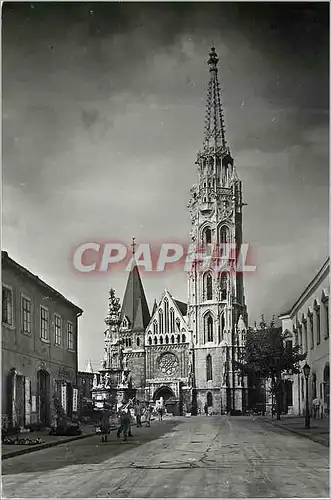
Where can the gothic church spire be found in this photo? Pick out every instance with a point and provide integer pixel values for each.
(135, 307)
(214, 121)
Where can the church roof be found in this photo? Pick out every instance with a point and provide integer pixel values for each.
(154, 307)
(89, 367)
(181, 306)
(134, 305)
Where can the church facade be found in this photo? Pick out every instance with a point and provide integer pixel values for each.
(184, 354)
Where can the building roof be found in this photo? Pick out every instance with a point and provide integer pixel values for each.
(89, 367)
(154, 307)
(323, 271)
(182, 306)
(135, 306)
(13, 264)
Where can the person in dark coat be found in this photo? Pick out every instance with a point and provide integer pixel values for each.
(125, 420)
(104, 425)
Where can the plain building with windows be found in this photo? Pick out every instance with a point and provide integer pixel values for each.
(307, 324)
(39, 347)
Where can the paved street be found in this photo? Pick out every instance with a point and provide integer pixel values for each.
(236, 457)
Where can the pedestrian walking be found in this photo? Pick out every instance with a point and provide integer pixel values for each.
(206, 409)
(124, 424)
(316, 408)
(148, 415)
(138, 412)
(104, 424)
(160, 412)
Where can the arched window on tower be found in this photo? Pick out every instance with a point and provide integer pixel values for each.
(150, 340)
(222, 325)
(208, 286)
(155, 340)
(209, 368)
(177, 324)
(166, 339)
(166, 315)
(208, 330)
(172, 339)
(161, 321)
(183, 337)
(172, 320)
(206, 236)
(178, 339)
(224, 239)
(155, 327)
(138, 341)
(161, 340)
(224, 285)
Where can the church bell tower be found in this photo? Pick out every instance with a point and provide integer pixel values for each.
(216, 303)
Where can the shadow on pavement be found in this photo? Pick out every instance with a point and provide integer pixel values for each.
(89, 450)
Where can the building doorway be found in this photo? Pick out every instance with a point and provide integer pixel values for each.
(209, 399)
(69, 399)
(170, 401)
(16, 398)
(326, 382)
(44, 396)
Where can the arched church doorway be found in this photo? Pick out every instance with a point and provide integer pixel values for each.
(43, 379)
(326, 382)
(209, 399)
(167, 397)
(16, 398)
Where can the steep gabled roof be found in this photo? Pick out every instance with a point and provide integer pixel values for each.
(135, 306)
(89, 367)
(181, 306)
(154, 307)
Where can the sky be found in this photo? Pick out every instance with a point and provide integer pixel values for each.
(103, 116)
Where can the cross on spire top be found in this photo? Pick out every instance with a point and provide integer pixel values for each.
(133, 246)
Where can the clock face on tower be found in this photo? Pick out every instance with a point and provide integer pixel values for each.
(168, 364)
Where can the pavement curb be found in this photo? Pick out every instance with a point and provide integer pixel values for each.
(300, 433)
(43, 446)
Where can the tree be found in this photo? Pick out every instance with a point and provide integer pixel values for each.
(267, 355)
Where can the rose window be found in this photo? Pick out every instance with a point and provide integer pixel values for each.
(168, 364)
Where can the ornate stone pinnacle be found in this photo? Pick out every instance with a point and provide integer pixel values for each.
(114, 306)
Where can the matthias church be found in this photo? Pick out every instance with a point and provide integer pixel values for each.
(184, 353)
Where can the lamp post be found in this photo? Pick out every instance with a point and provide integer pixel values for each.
(306, 372)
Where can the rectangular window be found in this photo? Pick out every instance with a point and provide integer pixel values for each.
(326, 308)
(318, 325)
(44, 323)
(288, 346)
(300, 336)
(311, 326)
(58, 332)
(7, 306)
(71, 340)
(305, 334)
(26, 314)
